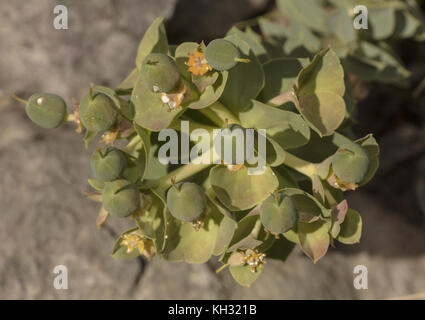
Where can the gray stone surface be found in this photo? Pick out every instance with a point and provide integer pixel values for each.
(99, 46)
(45, 221)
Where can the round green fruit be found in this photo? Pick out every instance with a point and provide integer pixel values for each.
(107, 163)
(186, 201)
(160, 72)
(279, 213)
(97, 112)
(120, 198)
(221, 54)
(46, 110)
(351, 165)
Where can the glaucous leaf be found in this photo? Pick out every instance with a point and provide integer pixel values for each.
(245, 80)
(351, 228)
(153, 41)
(238, 190)
(320, 88)
(193, 246)
(243, 275)
(314, 239)
(280, 75)
(150, 112)
(308, 12)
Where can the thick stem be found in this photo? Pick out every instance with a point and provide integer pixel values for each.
(182, 173)
(176, 176)
(218, 113)
(69, 117)
(302, 166)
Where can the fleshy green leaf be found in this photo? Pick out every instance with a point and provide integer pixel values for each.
(351, 228)
(154, 41)
(308, 12)
(243, 275)
(285, 129)
(243, 232)
(314, 239)
(238, 190)
(350, 163)
(253, 40)
(193, 246)
(225, 234)
(341, 25)
(280, 75)
(306, 203)
(320, 88)
(150, 112)
(280, 250)
(382, 22)
(375, 62)
(245, 79)
(371, 147)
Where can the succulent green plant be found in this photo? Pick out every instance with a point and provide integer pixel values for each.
(299, 27)
(192, 210)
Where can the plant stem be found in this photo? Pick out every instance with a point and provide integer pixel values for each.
(182, 173)
(69, 117)
(177, 175)
(302, 166)
(218, 113)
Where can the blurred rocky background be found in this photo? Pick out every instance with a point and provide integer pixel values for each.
(45, 221)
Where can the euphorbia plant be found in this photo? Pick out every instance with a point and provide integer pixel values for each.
(191, 211)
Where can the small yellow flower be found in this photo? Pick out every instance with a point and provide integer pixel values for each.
(254, 259)
(197, 63)
(132, 241)
(109, 137)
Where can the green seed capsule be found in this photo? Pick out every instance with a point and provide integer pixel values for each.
(221, 54)
(107, 163)
(186, 201)
(351, 165)
(46, 110)
(120, 198)
(278, 213)
(97, 112)
(160, 72)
